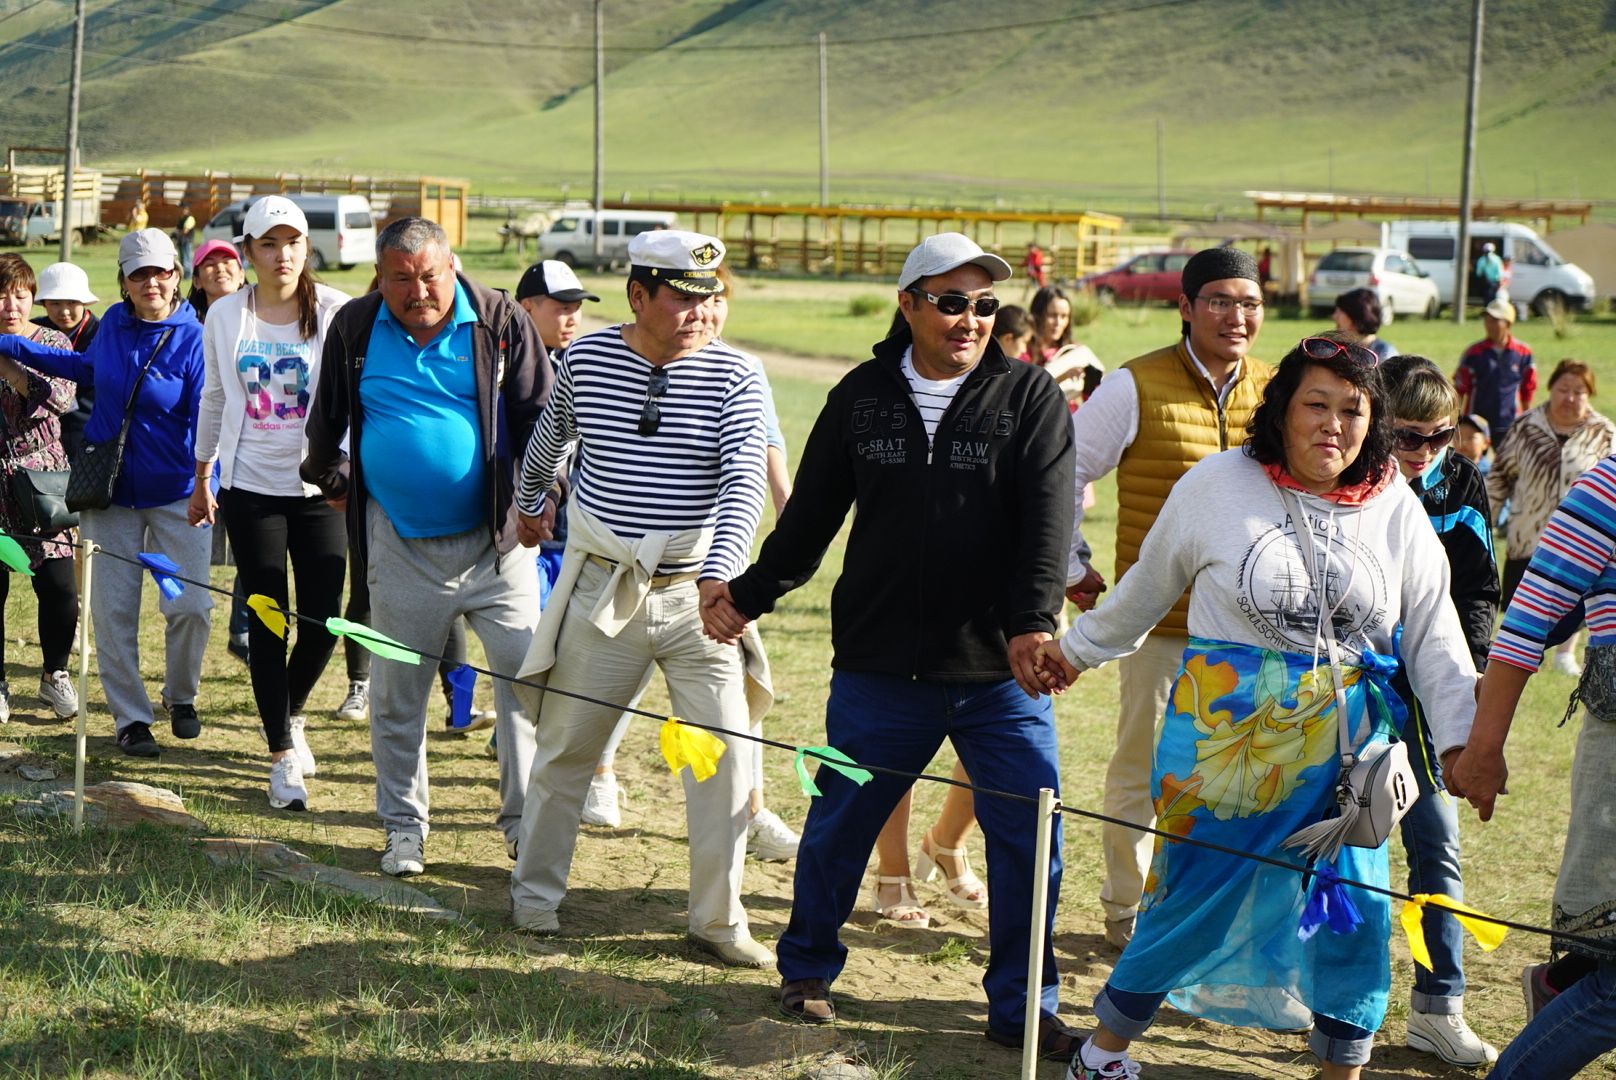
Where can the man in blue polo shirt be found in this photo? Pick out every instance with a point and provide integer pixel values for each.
(437, 383)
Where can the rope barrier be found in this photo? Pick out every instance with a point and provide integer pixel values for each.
(835, 759)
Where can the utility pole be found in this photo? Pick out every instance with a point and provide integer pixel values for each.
(1461, 258)
(1332, 170)
(1161, 171)
(824, 126)
(600, 125)
(70, 168)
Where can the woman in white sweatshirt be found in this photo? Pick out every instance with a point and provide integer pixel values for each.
(262, 346)
(1247, 752)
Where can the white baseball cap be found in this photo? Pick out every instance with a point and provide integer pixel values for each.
(64, 281)
(688, 261)
(555, 279)
(270, 211)
(947, 251)
(1501, 308)
(146, 247)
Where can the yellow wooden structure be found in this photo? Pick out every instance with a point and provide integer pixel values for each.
(1542, 211)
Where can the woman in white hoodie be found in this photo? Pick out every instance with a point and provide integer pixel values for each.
(262, 346)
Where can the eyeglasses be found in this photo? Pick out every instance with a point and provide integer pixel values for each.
(1409, 441)
(1222, 305)
(1322, 348)
(953, 303)
(651, 415)
(146, 273)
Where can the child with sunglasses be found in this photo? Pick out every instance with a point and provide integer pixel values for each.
(1454, 494)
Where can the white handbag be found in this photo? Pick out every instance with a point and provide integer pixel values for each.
(1376, 787)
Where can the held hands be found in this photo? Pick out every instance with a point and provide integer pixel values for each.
(721, 620)
(1050, 666)
(1478, 775)
(199, 511)
(1086, 591)
(531, 530)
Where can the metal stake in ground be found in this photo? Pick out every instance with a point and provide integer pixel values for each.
(88, 550)
(1035, 941)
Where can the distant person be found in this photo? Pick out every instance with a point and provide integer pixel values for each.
(138, 218)
(30, 438)
(412, 377)
(216, 272)
(1073, 365)
(64, 293)
(147, 360)
(1358, 315)
(1012, 329)
(1474, 440)
(1490, 272)
(1034, 265)
(1496, 377)
(185, 237)
(1265, 267)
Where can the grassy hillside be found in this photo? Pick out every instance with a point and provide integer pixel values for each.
(1042, 101)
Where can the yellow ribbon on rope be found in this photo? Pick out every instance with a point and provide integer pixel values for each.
(1489, 935)
(268, 613)
(685, 745)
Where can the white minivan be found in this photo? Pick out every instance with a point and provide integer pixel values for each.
(1538, 277)
(571, 238)
(342, 230)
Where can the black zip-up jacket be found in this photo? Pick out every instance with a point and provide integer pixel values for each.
(954, 550)
(514, 378)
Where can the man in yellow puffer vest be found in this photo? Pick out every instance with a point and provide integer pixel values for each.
(1151, 420)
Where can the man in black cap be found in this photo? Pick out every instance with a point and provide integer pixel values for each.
(1152, 420)
(553, 297)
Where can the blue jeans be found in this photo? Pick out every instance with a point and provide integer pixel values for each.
(1129, 1015)
(1567, 1033)
(1431, 839)
(1005, 740)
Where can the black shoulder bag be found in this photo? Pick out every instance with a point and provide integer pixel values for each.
(95, 468)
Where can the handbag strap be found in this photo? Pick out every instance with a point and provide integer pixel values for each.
(1304, 536)
(129, 406)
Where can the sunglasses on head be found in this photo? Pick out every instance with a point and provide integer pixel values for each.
(953, 303)
(1409, 441)
(651, 414)
(1319, 348)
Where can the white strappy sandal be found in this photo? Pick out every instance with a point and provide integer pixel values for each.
(962, 890)
(907, 905)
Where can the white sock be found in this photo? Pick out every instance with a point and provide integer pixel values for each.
(1095, 1058)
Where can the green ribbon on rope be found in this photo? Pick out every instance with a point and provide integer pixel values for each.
(833, 758)
(12, 554)
(380, 644)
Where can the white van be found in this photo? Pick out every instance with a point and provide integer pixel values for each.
(1538, 277)
(342, 230)
(571, 239)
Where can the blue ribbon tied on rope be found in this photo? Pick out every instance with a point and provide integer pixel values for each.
(1328, 905)
(163, 570)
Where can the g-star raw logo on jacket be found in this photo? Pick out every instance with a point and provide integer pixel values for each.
(968, 455)
(869, 415)
(883, 451)
(1000, 422)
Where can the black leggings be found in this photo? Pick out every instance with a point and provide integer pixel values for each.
(358, 657)
(264, 530)
(58, 595)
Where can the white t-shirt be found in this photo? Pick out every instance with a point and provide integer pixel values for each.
(931, 396)
(273, 362)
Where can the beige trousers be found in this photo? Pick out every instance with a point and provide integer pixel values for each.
(1146, 680)
(704, 684)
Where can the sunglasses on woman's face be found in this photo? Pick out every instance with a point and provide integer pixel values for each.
(651, 415)
(1409, 441)
(146, 273)
(1319, 348)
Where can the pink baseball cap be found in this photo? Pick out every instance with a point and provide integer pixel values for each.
(214, 247)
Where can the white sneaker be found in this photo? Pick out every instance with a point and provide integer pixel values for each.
(405, 854)
(356, 706)
(1565, 662)
(1119, 1068)
(5, 702)
(286, 790)
(601, 804)
(1448, 1037)
(770, 839)
(56, 692)
(300, 744)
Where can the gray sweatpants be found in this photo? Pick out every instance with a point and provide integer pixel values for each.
(115, 589)
(418, 587)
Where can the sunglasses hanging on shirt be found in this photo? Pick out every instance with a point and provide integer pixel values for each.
(651, 414)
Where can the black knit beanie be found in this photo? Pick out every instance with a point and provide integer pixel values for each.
(1217, 264)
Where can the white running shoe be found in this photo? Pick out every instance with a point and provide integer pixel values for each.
(56, 692)
(286, 790)
(356, 706)
(1448, 1037)
(405, 854)
(770, 839)
(601, 804)
(1118, 1068)
(300, 744)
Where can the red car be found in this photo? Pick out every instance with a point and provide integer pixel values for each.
(1154, 275)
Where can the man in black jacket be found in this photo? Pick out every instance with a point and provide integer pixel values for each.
(436, 382)
(959, 463)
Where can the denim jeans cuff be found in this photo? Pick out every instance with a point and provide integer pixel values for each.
(1437, 1006)
(1340, 1051)
(1117, 1022)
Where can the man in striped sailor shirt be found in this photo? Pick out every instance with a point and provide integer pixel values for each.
(662, 513)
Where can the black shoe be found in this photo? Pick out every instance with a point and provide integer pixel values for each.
(184, 721)
(136, 741)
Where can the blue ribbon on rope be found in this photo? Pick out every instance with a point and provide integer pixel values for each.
(1328, 905)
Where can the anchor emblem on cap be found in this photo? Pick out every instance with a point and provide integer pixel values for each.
(705, 255)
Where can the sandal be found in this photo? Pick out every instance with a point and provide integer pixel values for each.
(1056, 1041)
(906, 905)
(807, 1000)
(966, 890)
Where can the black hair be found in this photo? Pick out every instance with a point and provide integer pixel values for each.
(1265, 435)
(1012, 321)
(649, 281)
(1362, 309)
(1040, 303)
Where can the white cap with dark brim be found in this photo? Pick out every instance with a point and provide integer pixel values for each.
(948, 251)
(688, 261)
(146, 247)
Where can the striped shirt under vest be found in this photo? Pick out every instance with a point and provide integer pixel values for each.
(703, 466)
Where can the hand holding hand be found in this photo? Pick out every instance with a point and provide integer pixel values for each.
(199, 511)
(1033, 680)
(1053, 668)
(721, 620)
(1086, 591)
(1480, 776)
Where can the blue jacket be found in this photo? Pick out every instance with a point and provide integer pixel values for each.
(159, 459)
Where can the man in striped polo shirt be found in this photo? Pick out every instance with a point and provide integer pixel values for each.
(669, 422)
